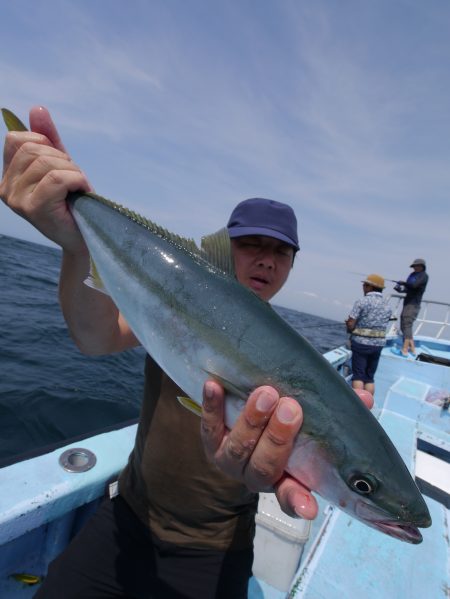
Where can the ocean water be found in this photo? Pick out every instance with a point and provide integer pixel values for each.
(49, 391)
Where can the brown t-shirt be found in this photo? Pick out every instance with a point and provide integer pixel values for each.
(169, 482)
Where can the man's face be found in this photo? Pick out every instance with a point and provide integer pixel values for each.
(262, 263)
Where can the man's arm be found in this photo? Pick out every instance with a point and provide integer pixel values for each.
(418, 281)
(350, 323)
(37, 176)
(94, 322)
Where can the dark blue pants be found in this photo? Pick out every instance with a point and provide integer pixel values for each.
(365, 360)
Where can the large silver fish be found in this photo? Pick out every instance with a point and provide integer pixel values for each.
(198, 321)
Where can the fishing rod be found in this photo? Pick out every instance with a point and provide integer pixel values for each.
(360, 274)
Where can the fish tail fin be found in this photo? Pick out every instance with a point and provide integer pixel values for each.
(12, 122)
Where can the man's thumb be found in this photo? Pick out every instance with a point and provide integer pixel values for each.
(41, 122)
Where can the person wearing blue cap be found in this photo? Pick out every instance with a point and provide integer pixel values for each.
(183, 522)
(414, 287)
(260, 227)
(259, 216)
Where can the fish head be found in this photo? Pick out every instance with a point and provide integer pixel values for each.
(391, 504)
(370, 482)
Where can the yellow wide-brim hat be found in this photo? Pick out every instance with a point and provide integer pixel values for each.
(375, 280)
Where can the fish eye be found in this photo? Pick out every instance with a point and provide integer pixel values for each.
(364, 484)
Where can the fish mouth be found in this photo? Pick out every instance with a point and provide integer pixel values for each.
(402, 531)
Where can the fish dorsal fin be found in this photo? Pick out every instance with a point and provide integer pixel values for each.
(178, 240)
(217, 250)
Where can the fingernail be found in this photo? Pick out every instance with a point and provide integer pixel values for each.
(286, 412)
(265, 401)
(301, 506)
(209, 390)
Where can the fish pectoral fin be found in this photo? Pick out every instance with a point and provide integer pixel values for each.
(12, 122)
(94, 280)
(230, 387)
(190, 405)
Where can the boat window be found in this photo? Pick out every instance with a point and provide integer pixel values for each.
(433, 471)
(433, 359)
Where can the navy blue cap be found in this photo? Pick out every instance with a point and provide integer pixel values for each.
(258, 216)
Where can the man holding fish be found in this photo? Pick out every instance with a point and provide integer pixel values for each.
(183, 523)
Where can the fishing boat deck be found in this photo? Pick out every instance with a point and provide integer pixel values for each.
(349, 550)
(345, 558)
(43, 505)
(341, 557)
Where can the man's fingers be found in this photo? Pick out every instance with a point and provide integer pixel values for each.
(257, 448)
(212, 425)
(295, 499)
(41, 122)
(366, 397)
(14, 143)
(238, 445)
(34, 163)
(242, 440)
(43, 164)
(274, 447)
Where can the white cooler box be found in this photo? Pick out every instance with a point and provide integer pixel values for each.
(279, 543)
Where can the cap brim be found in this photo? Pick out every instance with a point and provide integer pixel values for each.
(243, 231)
(373, 284)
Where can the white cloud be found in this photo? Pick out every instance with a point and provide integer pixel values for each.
(181, 117)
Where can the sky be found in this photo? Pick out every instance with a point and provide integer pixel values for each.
(180, 109)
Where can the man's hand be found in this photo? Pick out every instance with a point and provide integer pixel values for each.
(257, 448)
(350, 324)
(37, 176)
